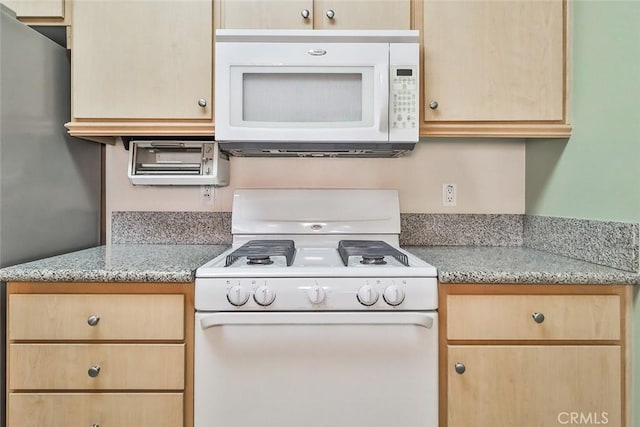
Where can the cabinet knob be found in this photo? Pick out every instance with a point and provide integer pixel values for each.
(305, 13)
(331, 13)
(538, 317)
(433, 105)
(202, 102)
(93, 320)
(94, 371)
(460, 368)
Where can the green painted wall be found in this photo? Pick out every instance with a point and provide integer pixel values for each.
(596, 173)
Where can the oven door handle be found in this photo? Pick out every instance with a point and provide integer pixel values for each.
(424, 320)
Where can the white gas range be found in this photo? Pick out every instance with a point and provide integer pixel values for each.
(314, 307)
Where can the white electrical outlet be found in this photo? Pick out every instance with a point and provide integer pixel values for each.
(449, 194)
(206, 194)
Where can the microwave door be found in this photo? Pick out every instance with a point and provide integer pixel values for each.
(292, 95)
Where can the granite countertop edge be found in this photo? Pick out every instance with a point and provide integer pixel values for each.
(128, 263)
(516, 265)
(125, 263)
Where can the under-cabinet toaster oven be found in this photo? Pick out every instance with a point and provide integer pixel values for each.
(177, 162)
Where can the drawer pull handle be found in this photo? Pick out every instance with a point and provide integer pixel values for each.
(538, 317)
(460, 368)
(93, 320)
(94, 425)
(94, 371)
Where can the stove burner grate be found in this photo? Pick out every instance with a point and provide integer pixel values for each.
(258, 252)
(371, 251)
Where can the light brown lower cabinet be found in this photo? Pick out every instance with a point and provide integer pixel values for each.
(99, 409)
(69, 366)
(535, 356)
(533, 385)
(99, 354)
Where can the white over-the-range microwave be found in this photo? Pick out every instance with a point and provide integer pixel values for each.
(317, 92)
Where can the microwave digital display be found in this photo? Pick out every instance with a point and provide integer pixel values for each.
(404, 72)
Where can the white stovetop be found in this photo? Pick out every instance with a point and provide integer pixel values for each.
(316, 262)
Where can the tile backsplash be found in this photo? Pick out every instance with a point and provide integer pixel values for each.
(183, 228)
(461, 229)
(610, 243)
(147, 227)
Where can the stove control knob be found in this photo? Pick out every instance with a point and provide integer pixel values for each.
(393, 295)
(238, 295)
(367, 295)
(264, 295)
(316, 294)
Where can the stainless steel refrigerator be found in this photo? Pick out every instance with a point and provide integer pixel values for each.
(49, 183)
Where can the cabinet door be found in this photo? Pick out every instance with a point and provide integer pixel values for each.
(535, 386)
(36, 8)
(288, 14)
(266, 14)
(363, 15)
(142, 59)
(494, 60)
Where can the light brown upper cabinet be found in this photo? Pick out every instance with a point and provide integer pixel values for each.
(40, 12)
(494, 68)
(316, 14)
(490, 68)
(142, 67)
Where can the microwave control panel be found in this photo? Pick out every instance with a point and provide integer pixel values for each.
(403, 105)
(404, 92)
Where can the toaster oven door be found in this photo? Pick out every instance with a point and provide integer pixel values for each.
(166, 162)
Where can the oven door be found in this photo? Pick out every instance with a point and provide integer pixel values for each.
(292, 92)
(315, 369)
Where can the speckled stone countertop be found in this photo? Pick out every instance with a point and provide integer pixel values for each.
(493, 265)
(178, 263)
(117, 263)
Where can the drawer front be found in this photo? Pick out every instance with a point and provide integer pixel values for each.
(100, 409)
(511, 317)
(117, 317)
(121, 366)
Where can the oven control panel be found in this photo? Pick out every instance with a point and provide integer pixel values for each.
(309, 294)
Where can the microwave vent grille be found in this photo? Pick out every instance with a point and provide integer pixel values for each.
(311, 150)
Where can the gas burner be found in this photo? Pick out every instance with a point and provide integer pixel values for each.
(258, 252)
(371, 251)
(259, 260)
(373, 260)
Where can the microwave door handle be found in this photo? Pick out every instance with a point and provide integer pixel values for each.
(424, 320)
(383, 98)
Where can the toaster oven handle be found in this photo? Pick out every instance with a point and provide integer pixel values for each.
(424, 320)
(167, 144)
